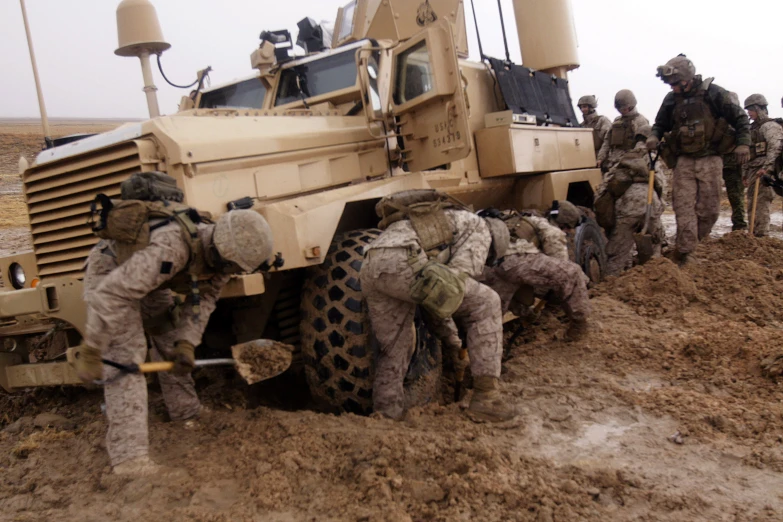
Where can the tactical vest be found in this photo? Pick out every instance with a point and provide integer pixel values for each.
(759, 148)
(426, 211)
(598, 139)
(622, 135)
(129, 224)
(694, 121)
(520, 227)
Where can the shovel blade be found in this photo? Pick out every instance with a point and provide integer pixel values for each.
(262, 359)
(644, 247)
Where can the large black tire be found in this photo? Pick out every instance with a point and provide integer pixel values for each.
(337, 344)
(590, 249)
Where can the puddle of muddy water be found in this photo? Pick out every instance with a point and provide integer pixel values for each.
(723, 226)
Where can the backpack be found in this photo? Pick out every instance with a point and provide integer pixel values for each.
(425, 209)
(129, 223)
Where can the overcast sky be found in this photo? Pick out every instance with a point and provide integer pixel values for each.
(621, 43)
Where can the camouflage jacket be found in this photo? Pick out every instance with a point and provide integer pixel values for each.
(600, 125)
(113, 293)
(767, 136)
(610, 155)
(553, 240)
(469, 250)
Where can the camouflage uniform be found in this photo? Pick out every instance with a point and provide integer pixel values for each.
(547, 268)
(697, 175)
(630, 212)
(386, 278)
(766, 135)
(621, 139)
(735, 191)
(600, 125)
(120, 301)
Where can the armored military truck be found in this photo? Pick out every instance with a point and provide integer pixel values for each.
(312, 143)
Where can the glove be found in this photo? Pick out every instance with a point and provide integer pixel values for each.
(88, 364)
(742, 153)
(652, 143)
(184, 358)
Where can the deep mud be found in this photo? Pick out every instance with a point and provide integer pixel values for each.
(661, 414)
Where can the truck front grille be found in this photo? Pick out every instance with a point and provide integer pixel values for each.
(58, 196)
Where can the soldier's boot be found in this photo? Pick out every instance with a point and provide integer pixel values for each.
(140, 466)
(487, 405)
(577, 330)
(683, 259)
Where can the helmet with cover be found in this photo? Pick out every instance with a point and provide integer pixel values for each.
(678, 69)
(590, 100)
(243, 237)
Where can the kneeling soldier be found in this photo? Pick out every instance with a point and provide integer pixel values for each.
(429, 253)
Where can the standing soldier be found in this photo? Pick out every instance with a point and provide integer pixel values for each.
(537, 256)
(735, 190)
(128, 288)
(621, 206)
(622, 135)
(767, 138)
(592, 120)
(428, 254)
(697, 115)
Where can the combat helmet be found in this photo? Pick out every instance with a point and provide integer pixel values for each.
(590, 100)
(243, 237)
(624, 98)
(678, 69)
(755, 99)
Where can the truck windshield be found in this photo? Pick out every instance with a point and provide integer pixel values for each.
(317, 77)
(248, 94)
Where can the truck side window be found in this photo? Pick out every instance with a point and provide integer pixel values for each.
(414, 74)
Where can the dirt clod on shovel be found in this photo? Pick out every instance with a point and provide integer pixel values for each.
(261, 359)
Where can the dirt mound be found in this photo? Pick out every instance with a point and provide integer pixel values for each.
(654, 289)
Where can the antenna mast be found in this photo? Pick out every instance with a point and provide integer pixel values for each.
(41, 104)
(503, 26)
(478, 34)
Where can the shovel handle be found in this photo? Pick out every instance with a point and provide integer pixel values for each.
(753, 209)
(154, 367)
(166, 366)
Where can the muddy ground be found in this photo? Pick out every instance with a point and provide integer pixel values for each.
(660, 414)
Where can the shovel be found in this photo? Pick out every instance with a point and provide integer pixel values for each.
(753, 207)
(644, 246)
(255, 361)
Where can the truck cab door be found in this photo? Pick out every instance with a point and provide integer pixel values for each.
(428, 99)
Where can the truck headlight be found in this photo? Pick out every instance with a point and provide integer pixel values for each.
(16, 276)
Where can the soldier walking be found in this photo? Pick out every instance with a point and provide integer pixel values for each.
(767, 143)
(696, 115)
(735, 189)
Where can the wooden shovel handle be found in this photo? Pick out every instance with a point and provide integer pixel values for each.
(153, 367)
(753, 209)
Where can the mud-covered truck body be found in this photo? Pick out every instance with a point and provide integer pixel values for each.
(313, 142)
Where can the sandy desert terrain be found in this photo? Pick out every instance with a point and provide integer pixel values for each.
(661, 414)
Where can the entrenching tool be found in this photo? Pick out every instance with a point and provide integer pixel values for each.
(644, 246)
(255, 361)
(752, 224)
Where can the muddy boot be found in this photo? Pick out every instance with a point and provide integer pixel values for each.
(681, 259)
(140, 467)
(487, 405)
(577, 331)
